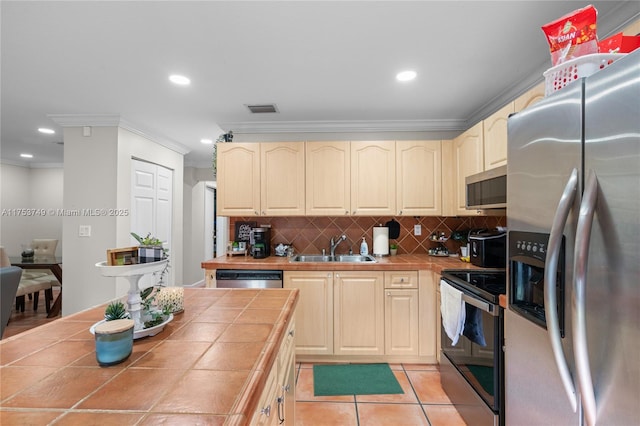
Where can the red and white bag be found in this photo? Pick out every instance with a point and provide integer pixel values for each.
(573, 35)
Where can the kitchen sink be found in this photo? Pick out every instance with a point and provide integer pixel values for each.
(343, 258)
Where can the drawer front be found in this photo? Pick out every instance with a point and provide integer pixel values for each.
(401, 279)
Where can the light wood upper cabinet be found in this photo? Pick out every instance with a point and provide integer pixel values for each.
(282, 171)
(495, 137)
(358, 313)
(373, 178)
(314, 313)
(529, 98)
(328, 178)
(238, 179)
(468, 159)
(419, 178)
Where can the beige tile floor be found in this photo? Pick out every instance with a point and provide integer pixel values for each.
(423, 402)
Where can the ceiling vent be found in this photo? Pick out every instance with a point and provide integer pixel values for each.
(262, 108)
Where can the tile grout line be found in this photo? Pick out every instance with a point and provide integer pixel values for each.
(416, 395)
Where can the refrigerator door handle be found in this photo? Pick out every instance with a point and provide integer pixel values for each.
(578, 304)
(550, 278)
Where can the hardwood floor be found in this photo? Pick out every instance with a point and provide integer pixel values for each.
(422, 403)
(23, 321)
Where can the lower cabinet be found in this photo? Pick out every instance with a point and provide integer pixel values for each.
(358, 313)
(365, 313)
(314, 312)
(276, 404)
(401, 313)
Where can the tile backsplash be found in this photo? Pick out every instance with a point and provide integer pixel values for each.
(310, 235)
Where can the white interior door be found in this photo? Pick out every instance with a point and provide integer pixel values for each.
(151, 205)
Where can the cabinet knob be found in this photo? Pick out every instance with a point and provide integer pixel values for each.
(266, 410)
(388, 293)
(263, 213)
(291, 333)
(400, 212)
(401, 280)
(256, 213)
(346, 212)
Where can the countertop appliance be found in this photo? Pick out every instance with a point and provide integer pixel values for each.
(574, 174)
(487, 190)
(248, 278)
(260, 240)
(472, 370)
(488, 249)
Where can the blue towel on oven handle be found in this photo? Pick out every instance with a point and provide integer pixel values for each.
(473, 328)
(452, 310)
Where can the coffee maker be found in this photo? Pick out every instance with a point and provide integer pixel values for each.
(260, 242)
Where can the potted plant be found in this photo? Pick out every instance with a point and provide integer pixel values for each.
(461, 237)
(115, 310)
(151, 250)
(393, 249)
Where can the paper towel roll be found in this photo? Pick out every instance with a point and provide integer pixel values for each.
(380, 240)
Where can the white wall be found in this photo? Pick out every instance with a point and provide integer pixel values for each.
(30, 188)
(194, 223)
(91, 164)
(98, 176)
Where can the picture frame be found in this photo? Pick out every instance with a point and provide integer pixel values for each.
(122, 256)
(243, 231)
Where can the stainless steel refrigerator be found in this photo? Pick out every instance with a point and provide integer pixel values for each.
(572, 327)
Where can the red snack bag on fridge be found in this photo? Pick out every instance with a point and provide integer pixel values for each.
(573, 35)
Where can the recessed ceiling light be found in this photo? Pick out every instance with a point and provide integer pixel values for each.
(406, 75)
(206, 141)
(180, 80)
(24, 155)
(46, 131)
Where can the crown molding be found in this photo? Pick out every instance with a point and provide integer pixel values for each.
(249, 127)
(115, 120)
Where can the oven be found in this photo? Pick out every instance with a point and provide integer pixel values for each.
(472, 370)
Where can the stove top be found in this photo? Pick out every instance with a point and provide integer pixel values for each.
(489, 284)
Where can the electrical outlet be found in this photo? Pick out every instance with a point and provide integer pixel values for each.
(417, 229)
(84, 231)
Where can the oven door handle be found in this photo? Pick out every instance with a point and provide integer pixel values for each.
(482, 305)
(550, 282)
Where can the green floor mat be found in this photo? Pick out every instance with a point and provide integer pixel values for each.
(354, 379)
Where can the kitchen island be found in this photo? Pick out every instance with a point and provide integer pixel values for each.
(214, 363)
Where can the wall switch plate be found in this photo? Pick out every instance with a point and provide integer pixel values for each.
(417, 229)
(84, 231)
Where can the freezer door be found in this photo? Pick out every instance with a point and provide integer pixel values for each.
(544, 147)
(612, 284)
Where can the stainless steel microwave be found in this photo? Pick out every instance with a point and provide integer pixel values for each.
(487, 190)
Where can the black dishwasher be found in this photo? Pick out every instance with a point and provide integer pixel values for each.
(248, 278)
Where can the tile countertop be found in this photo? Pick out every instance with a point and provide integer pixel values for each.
(208, 366)
(386, 263)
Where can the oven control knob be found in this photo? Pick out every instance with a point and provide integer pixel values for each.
(535, 249)
(529, 247)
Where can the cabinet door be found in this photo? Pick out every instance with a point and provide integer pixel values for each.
(282, 178)
(314, 314)
(328, 178)
(373, 178)
(529, 98)
(359, 313)
(401, 322)
(238, 179)
(429, 309)
(418, 178)
(495, 138)
(468, 159)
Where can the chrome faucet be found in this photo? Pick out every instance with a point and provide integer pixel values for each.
(334, 244)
